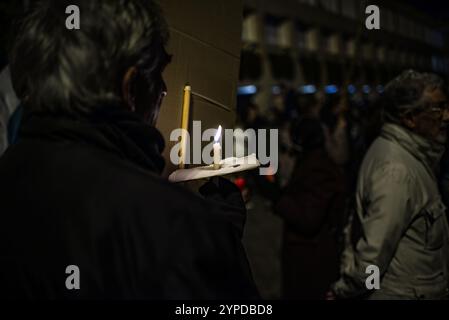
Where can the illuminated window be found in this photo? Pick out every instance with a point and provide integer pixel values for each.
(250, 28)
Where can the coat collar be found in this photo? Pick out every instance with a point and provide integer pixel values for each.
(425, 151)
(112, 129)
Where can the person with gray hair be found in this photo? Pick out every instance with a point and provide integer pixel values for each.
(397, 243)
(86, 212)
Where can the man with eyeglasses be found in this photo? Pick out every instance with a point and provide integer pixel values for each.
(399, 223)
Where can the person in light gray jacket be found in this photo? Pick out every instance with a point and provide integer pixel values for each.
(399, 225)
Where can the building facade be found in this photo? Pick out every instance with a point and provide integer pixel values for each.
(324, 44)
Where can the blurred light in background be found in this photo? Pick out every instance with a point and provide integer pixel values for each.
(307, 89)
(352, 89)
(366, 89)
(380, 88)
(246, 90)
(276, 90)
(331, 89)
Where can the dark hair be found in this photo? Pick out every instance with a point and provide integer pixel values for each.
(76, 71)
(403, 94)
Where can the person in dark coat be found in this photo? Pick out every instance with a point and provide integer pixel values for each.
(312, 208)
(85, 213)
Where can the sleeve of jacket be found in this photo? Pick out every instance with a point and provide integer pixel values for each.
(207, 258)
(384, 210)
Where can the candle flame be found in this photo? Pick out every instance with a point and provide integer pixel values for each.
(218, 134)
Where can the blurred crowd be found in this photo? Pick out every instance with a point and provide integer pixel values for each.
(322, 141)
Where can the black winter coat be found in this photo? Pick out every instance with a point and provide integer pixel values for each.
(88, 193)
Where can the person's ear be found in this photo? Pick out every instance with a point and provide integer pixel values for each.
(127, 89)
(409, 121)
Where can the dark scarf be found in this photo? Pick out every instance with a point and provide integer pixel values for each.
(113, 129)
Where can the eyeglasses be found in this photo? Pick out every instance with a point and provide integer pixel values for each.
(162, 95)
(436, 109)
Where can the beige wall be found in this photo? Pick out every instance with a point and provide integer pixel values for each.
(205, 43)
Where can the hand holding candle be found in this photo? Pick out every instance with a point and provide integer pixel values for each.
(217, 149)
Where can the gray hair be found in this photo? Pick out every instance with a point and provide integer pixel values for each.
(76, 72)
(403, 94)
